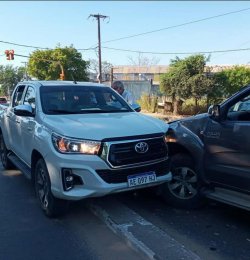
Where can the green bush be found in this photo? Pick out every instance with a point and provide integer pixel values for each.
(188, 107)
(148, 103)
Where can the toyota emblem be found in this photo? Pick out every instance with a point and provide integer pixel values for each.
(141, 147)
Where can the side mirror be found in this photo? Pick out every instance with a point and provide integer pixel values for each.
(136, 107)
(214, 111)
(23, 110)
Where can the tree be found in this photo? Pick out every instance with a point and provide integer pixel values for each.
(231, 80)
(106, 68)
(186, 78)
(141, 60)
(9, 77)
(173, 83)
(49, 64)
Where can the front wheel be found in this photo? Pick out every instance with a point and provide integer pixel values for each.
(51, 206)
(7, 164)
(183, 191)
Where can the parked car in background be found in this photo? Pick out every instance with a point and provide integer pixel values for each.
(211, 155)
(3, 100)
(76, 140)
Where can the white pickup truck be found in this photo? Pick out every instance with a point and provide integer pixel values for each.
(76, 140)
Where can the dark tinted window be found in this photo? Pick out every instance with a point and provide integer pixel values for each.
(18, 96)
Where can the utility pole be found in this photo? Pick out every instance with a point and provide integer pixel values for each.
(98, 16)
(111, 76)
(25, 72)
(62, 75)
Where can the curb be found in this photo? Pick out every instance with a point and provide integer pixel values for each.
(145, 238)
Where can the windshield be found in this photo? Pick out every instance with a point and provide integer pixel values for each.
(79, 99)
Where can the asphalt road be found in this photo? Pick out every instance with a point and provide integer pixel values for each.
(215, 231)
(25, 233)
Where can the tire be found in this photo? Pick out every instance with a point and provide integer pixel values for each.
(51, 206)
(7, 164)
(183, 191)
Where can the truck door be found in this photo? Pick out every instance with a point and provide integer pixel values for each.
(13, 121)
(227, 146)
(27, 127)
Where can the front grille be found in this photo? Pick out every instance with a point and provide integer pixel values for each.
(119, 176)
(122, 154)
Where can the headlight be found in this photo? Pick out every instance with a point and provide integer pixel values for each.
(170, 136)
(67, 145)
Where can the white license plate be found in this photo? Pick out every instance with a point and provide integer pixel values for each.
(140, 179)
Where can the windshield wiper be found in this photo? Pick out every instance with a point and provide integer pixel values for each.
(91, 111)
(115, 111)
(86, 111)
(61, 111)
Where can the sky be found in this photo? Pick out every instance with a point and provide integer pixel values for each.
(164, 29)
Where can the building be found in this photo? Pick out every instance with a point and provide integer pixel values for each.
(153, 73)
(140, 73)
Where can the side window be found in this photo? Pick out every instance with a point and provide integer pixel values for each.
(29, 98)
(240, 111)
(17, 98)
(245, 104)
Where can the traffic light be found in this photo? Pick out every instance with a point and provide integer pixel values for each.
(62, 76)
(9, 54)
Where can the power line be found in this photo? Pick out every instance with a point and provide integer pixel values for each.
(225, 53)
(23, 45)
(35, 58)
(151, 52)
(42, 48)
(178, 25)
(174, 53)
(135, 35)
(19, 55)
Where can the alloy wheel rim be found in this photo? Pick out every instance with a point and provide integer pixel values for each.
(42, 188)
(184, 183)
(3, 156)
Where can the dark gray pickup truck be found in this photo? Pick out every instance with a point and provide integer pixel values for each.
(211, 155)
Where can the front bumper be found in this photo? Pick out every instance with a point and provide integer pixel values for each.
(98, 178)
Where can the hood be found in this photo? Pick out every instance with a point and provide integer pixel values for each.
(195, 123)
(194, 118)
(104, 125)
(190, 119)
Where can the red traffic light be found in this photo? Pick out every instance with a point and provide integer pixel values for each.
(9, 54)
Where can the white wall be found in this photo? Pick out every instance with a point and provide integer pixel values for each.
(137, 88)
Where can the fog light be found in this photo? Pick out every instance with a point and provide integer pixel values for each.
(68, 179)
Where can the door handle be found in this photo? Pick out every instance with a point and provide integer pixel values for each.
(17, 121)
